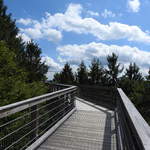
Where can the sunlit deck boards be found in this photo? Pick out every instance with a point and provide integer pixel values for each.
(87, 129)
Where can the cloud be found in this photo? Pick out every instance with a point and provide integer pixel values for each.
(52, 35)
(134, 5)
(75, 53)
(72, 21)
(108, 14)
(32, 32)
(92, 13)
(24, 37)
(27, 21)
(53, 66)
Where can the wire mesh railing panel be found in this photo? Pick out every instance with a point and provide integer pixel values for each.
(20, 129)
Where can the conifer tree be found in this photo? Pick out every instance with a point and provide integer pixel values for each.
(13, 79)
(82, 74)
(133, 73)
(67, 75)
(57, 77)
(9, 31)
(113, 68)
(96, 71)
(148, 77)
(32, 62)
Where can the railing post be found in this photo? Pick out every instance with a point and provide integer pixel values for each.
(34, 125)
(33, 117)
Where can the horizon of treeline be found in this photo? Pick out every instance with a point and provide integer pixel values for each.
(134, 84)
(97, 73)
(23, 74)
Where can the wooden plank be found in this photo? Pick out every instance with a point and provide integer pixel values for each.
(141, 126)
(90, 130)
(47, 134)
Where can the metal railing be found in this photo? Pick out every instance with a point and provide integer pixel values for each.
(133, 132)
(22, 123)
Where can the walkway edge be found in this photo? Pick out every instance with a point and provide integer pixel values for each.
(94, 105)
(39, 141)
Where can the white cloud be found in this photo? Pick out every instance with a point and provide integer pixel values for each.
(108, 13)
(72, 21)
(25, 21)
(32, 32)
(75, 53)
(134, 5)
(24, 37)
(52, 35)
(92, 13)
(53, 66)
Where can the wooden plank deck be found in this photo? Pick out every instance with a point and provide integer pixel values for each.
(87, 129)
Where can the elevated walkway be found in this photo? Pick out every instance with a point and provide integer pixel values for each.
(61, 121)
(89, 127)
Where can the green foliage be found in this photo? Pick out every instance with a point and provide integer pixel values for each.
(139, 92)
(148, 77)
(65, 76)
(113, 68)
(82, 74)
(57, 77)
(32, 63)
(96, 71)
(13, 85)
(132, 73)
(9, 31)
(21, 71)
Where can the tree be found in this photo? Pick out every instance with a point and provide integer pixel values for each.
(13, 85)
(113, 68)
(57, 77)
(9, 31)
(132, 73)
(32, 62)
(148, 77)
(82, 74)
(14, 67)
(67, 75)
(96, 71)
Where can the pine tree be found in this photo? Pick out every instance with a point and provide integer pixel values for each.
(14, 72)
(9, 31)
(82, 74)
(13, 85)
(67, 75)
(32, 62)
(148, 77)
(57, 77)
(113, 68)
(132, 73)
(96, 71)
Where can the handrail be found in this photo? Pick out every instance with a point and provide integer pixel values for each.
(22, 123)
(133, 130)
(13, 108)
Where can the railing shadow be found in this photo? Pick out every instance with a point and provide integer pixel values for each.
(109, 130)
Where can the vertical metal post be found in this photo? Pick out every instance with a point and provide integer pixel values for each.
(34, 125)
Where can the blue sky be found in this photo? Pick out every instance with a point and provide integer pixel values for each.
(75, 30)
